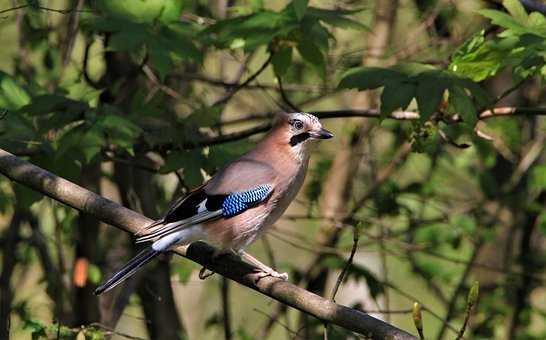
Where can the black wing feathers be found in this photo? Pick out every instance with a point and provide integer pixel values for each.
(185, 207)
(188, 206)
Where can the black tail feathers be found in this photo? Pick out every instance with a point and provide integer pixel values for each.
(128, 270)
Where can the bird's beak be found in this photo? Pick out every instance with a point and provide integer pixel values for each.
(321, 134)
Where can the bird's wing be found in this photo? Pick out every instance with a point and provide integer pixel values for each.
(241, 175)
(241, 185)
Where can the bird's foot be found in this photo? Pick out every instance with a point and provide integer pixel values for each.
(265, 273)
(204, 273)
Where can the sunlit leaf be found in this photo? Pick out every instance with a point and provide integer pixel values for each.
(12, 95)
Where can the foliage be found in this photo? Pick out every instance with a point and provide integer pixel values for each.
(143, 100)
(521, 46)
(403, 82)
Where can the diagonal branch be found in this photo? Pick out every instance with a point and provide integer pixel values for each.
(229, 266)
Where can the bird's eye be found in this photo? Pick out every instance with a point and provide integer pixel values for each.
(298, 124)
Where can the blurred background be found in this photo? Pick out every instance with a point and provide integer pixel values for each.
(142, 100)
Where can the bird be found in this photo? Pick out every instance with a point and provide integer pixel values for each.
(236, 205)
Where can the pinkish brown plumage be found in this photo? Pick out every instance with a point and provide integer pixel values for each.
(259, 186)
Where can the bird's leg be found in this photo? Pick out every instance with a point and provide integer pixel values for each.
(204, 272)
(266, 271)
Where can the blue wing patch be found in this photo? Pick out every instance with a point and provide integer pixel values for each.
(238, 202)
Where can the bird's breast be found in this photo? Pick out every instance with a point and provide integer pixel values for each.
(286, 190)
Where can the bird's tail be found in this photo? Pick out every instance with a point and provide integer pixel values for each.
(128, 270)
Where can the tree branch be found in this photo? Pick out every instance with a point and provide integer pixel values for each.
(229, 266)
(369, 113)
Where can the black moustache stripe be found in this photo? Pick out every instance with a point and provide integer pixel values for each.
(302, 137)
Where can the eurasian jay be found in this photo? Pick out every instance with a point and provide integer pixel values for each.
(238, 203)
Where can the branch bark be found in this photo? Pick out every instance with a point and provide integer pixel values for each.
(229, 266)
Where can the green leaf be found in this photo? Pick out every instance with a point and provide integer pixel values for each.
(125, 41)
(48, 103)
(190, 161)
(429, 95)
(116, 129)
(365, 78)
(161, 61)
(221, 154)
(396, 95)
(542, 223)
(477, 59)
(537, 23)
(414, 69)
(300, 7)
(25, 196)
(502, 19)
(312, 54)
(12, 96)
(538, 177)
(142, 10)
(36, 328)
(281, 61)
(515, 8)
(464, 105)
(337, 18)
(254, 30)
(243, 335)
(179, 38)
(83, 140)
(204, 117)
(94, 274)
(314, 31)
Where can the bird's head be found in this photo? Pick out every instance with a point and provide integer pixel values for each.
(300, 127)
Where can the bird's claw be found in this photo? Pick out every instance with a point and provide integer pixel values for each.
(262, 273)
(204, 273)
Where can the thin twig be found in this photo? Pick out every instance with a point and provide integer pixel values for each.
(285, 98)
(275, 320)
(383, 256)
(261, 86)
(61, 11)
(465, 322)
(236, 89)
(414, 299)
(114, 332)
(348, 264)
(460, 287)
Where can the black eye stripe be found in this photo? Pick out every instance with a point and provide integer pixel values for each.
(302, 137)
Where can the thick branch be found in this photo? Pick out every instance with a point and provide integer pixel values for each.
(229, 266)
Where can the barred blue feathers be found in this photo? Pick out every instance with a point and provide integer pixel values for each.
(238, 202)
